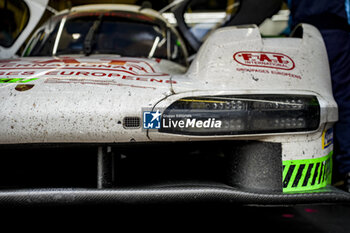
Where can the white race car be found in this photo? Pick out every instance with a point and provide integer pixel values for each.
(110, 79)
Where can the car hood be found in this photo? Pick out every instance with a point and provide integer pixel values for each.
(83, 99)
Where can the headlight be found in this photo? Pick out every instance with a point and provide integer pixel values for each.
(248, 114)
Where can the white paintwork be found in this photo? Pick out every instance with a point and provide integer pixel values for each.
(214, 68)
(36, 10)
(215, 72)
(79, 102)
(70, 107)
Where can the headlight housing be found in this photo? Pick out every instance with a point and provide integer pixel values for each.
(244, 114)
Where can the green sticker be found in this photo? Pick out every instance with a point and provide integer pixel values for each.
(307, 174)
(16, 80)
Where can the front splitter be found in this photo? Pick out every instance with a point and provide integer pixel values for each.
(167, 194)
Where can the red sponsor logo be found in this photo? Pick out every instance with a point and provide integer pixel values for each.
(264, 59)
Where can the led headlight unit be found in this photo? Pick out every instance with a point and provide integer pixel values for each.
(248, 114)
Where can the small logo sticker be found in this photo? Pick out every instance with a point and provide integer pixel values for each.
(264, 59)
(327, 138)
(151, 119)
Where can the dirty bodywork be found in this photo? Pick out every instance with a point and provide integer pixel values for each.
(260, 111)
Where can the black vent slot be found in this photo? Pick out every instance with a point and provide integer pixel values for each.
(131, 122)
(109, 166)
(130, 165)
(43, 167)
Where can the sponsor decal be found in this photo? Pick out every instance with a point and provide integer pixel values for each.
(265, 71)
(156, 120)
(264, 59)
(307, 174)
(17, 73)
(106, 70)
(327, 138)
(134, 66)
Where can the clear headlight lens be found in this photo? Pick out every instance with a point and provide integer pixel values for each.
(248, 114)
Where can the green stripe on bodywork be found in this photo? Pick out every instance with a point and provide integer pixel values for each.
(307, 174)
(16, 80)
